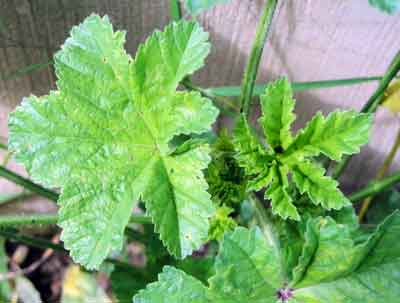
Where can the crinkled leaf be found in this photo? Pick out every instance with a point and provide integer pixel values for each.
(341, 271)
(247, 270)
(322, 190)
(269, 166)
(341, 133)
(197, 6)
(387, 6)
(251, 155)
(225, 178)
(173, 285)
(277, 106)
(277, 192)
(247, 267)
(103, 137)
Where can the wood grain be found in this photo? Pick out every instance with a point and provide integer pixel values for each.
(310, 40)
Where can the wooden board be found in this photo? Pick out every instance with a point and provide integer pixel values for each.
(310, 40)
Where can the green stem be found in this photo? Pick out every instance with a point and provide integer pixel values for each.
(255, 56)
(234, 91)
(175, 10)
(14, 235)
(381, 173)
(372, 105)
(375, 187)
(27, 184)
(3, 146)
(35, 219)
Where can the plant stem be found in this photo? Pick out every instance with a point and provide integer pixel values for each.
(3, 146)
(375, 187)
(14, 235)
(36, 219)
(381, 173)
(255, 56)
(175, 10)
(234, 91)
(27, 184)
(372, 104)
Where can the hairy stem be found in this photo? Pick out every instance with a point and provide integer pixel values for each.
(255, 56)
(14, 235)
(372, 105)
(381, 173)
(36, 219)
(27, 184)
(234, 91)
(375, 187)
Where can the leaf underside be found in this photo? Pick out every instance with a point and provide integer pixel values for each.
(103, 138)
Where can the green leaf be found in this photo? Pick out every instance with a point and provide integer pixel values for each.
(247, 270)
(247, 267)
(221, 223)
(341, 271)
(104, 138)
(197, 6)
(341, 133)
(173, 285)
(250, 152)
(277, 106)
(322, 190)
(387, 6)
(226, 180)
(281, 202)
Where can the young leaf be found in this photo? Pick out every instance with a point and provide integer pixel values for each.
(103, 138)
(251, 155)
(268, 166)
(197, 6)
(281, 202)
(310, 178)
(277, 106)
(341, 133)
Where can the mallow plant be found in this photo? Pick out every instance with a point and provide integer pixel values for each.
(119, 133)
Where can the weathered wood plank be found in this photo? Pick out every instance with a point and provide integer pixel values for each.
(310, 40)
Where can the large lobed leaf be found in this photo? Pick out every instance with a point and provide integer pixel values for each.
(333, 268)
(247, 270)
(341, 271)
(103, 137)
(341, 133)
